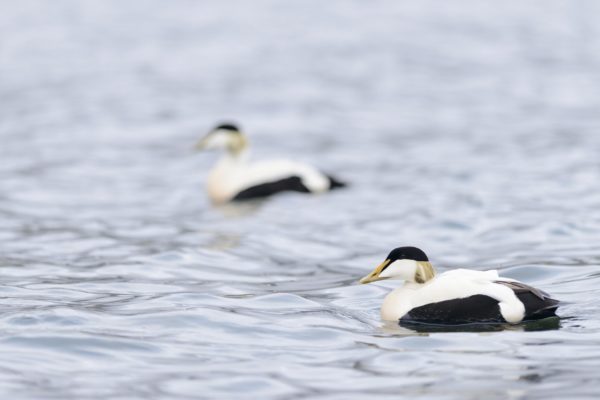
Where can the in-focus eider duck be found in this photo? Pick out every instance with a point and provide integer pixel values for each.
(235, 177)
(455, 297)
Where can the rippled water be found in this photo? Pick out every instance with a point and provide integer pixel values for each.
(471, 130)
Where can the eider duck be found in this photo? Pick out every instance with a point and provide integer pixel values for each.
(236, 178)
(455, 297)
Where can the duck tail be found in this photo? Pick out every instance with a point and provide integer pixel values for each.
(334, 183)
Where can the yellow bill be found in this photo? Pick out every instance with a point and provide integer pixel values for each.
(374, 276)
(202, 143)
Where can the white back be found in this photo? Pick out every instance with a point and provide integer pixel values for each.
(453, 284)
(235, 173)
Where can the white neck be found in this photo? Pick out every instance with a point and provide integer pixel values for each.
(235, 157)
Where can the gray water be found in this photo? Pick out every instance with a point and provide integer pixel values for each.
(470, 129)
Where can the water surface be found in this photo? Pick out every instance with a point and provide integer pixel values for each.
(470, 130)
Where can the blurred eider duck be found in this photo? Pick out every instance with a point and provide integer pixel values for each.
(455, 297)
(236, 178)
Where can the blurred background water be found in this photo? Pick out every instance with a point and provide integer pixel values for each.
(470, 129)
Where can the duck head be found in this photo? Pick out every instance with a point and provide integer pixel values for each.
(408, 263)
(224, 136)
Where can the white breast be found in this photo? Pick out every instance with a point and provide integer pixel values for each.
(232, 175)
(454, 284)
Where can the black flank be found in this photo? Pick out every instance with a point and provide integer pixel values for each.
(477, 308)
(291, 184)
(483, 309)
